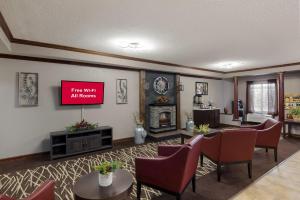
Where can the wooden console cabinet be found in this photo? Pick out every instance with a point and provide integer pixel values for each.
(207, 116)
(63, 143)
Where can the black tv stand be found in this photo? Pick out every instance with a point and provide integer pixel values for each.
(64, 143)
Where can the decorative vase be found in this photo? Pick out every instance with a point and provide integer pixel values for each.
(105, 180)
(140, 134)
(190, 125)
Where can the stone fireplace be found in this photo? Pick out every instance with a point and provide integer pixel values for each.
(162, 118)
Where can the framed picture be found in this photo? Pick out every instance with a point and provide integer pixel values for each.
(28, 89)
(201, 88)
(122, 96)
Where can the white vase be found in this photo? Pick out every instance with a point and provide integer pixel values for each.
(140, 134)
(105, 180)
(190, 125)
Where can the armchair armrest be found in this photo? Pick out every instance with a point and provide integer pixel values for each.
(210, 146)
(3, 197)
(167, 150)
(257, 127)
(270, 136)
(45, 191)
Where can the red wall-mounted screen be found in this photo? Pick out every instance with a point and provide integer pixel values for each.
(82, 93)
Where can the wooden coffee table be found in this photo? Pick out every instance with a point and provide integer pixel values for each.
(187, 135)
(87, 187)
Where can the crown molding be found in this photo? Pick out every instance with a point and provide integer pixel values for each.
(12, 39)
(97, 65)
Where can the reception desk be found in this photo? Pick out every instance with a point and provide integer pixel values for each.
(207, 116)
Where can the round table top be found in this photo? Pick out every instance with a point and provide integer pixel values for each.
(87, 187)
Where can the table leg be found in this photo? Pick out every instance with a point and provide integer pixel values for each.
(284, 130)
(290, 130)
(182, 139)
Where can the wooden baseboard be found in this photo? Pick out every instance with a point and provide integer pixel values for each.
(29, 156)
(26, 156)
(123, 140)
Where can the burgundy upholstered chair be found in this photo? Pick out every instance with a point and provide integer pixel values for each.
(268, 135)
(44, 192)
(229, 147)
(173, 169)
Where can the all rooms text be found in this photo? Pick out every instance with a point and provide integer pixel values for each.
(79, 93)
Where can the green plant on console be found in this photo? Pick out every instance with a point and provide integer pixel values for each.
(295, 112)
(203, 128)
(107, 167)
(83, 125)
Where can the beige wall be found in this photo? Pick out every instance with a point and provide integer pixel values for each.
(25, 130)
(215, 94)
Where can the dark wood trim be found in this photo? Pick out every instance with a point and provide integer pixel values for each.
(280, 104)
(199, 76)
(261, 68)
(26, 156)
(178, 109)
(67, 62)
(5, 28)
(123, 140)
(99, 53)
(235, 101)
(88, 64)
(142, 95)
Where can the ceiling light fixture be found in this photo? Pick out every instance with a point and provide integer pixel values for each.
(131, 45)
(135, 44)
(228, 65)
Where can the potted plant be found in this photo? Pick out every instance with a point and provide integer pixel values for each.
(295, 112)
(79, 126)
(140, 133)
(106, 170)
(202, 129)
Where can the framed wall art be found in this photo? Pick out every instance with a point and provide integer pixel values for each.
(201, 88)
(28, 87)
(122, 95)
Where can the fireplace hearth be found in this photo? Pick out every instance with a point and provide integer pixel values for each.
(162, 118)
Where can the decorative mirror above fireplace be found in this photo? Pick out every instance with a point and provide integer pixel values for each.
(161, 85)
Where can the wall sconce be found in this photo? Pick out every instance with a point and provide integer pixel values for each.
(180, 87)
(146, 85)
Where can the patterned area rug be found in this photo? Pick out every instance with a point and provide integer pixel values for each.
(20, 184)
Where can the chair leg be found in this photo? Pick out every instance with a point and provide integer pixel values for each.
(219, 171)
(194, 183)
(250, 169)
(178, 197)
(267, 149)
(275, 154)
(139, 188)
(201, 159)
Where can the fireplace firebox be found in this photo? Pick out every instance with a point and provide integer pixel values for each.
(162, 118)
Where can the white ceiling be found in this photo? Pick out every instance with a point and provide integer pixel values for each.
(197, 33)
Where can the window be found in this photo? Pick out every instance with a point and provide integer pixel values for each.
(262, 97)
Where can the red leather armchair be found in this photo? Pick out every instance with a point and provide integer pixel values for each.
(268, 135)
(229, 147)
(172, 170)
(44, 192)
